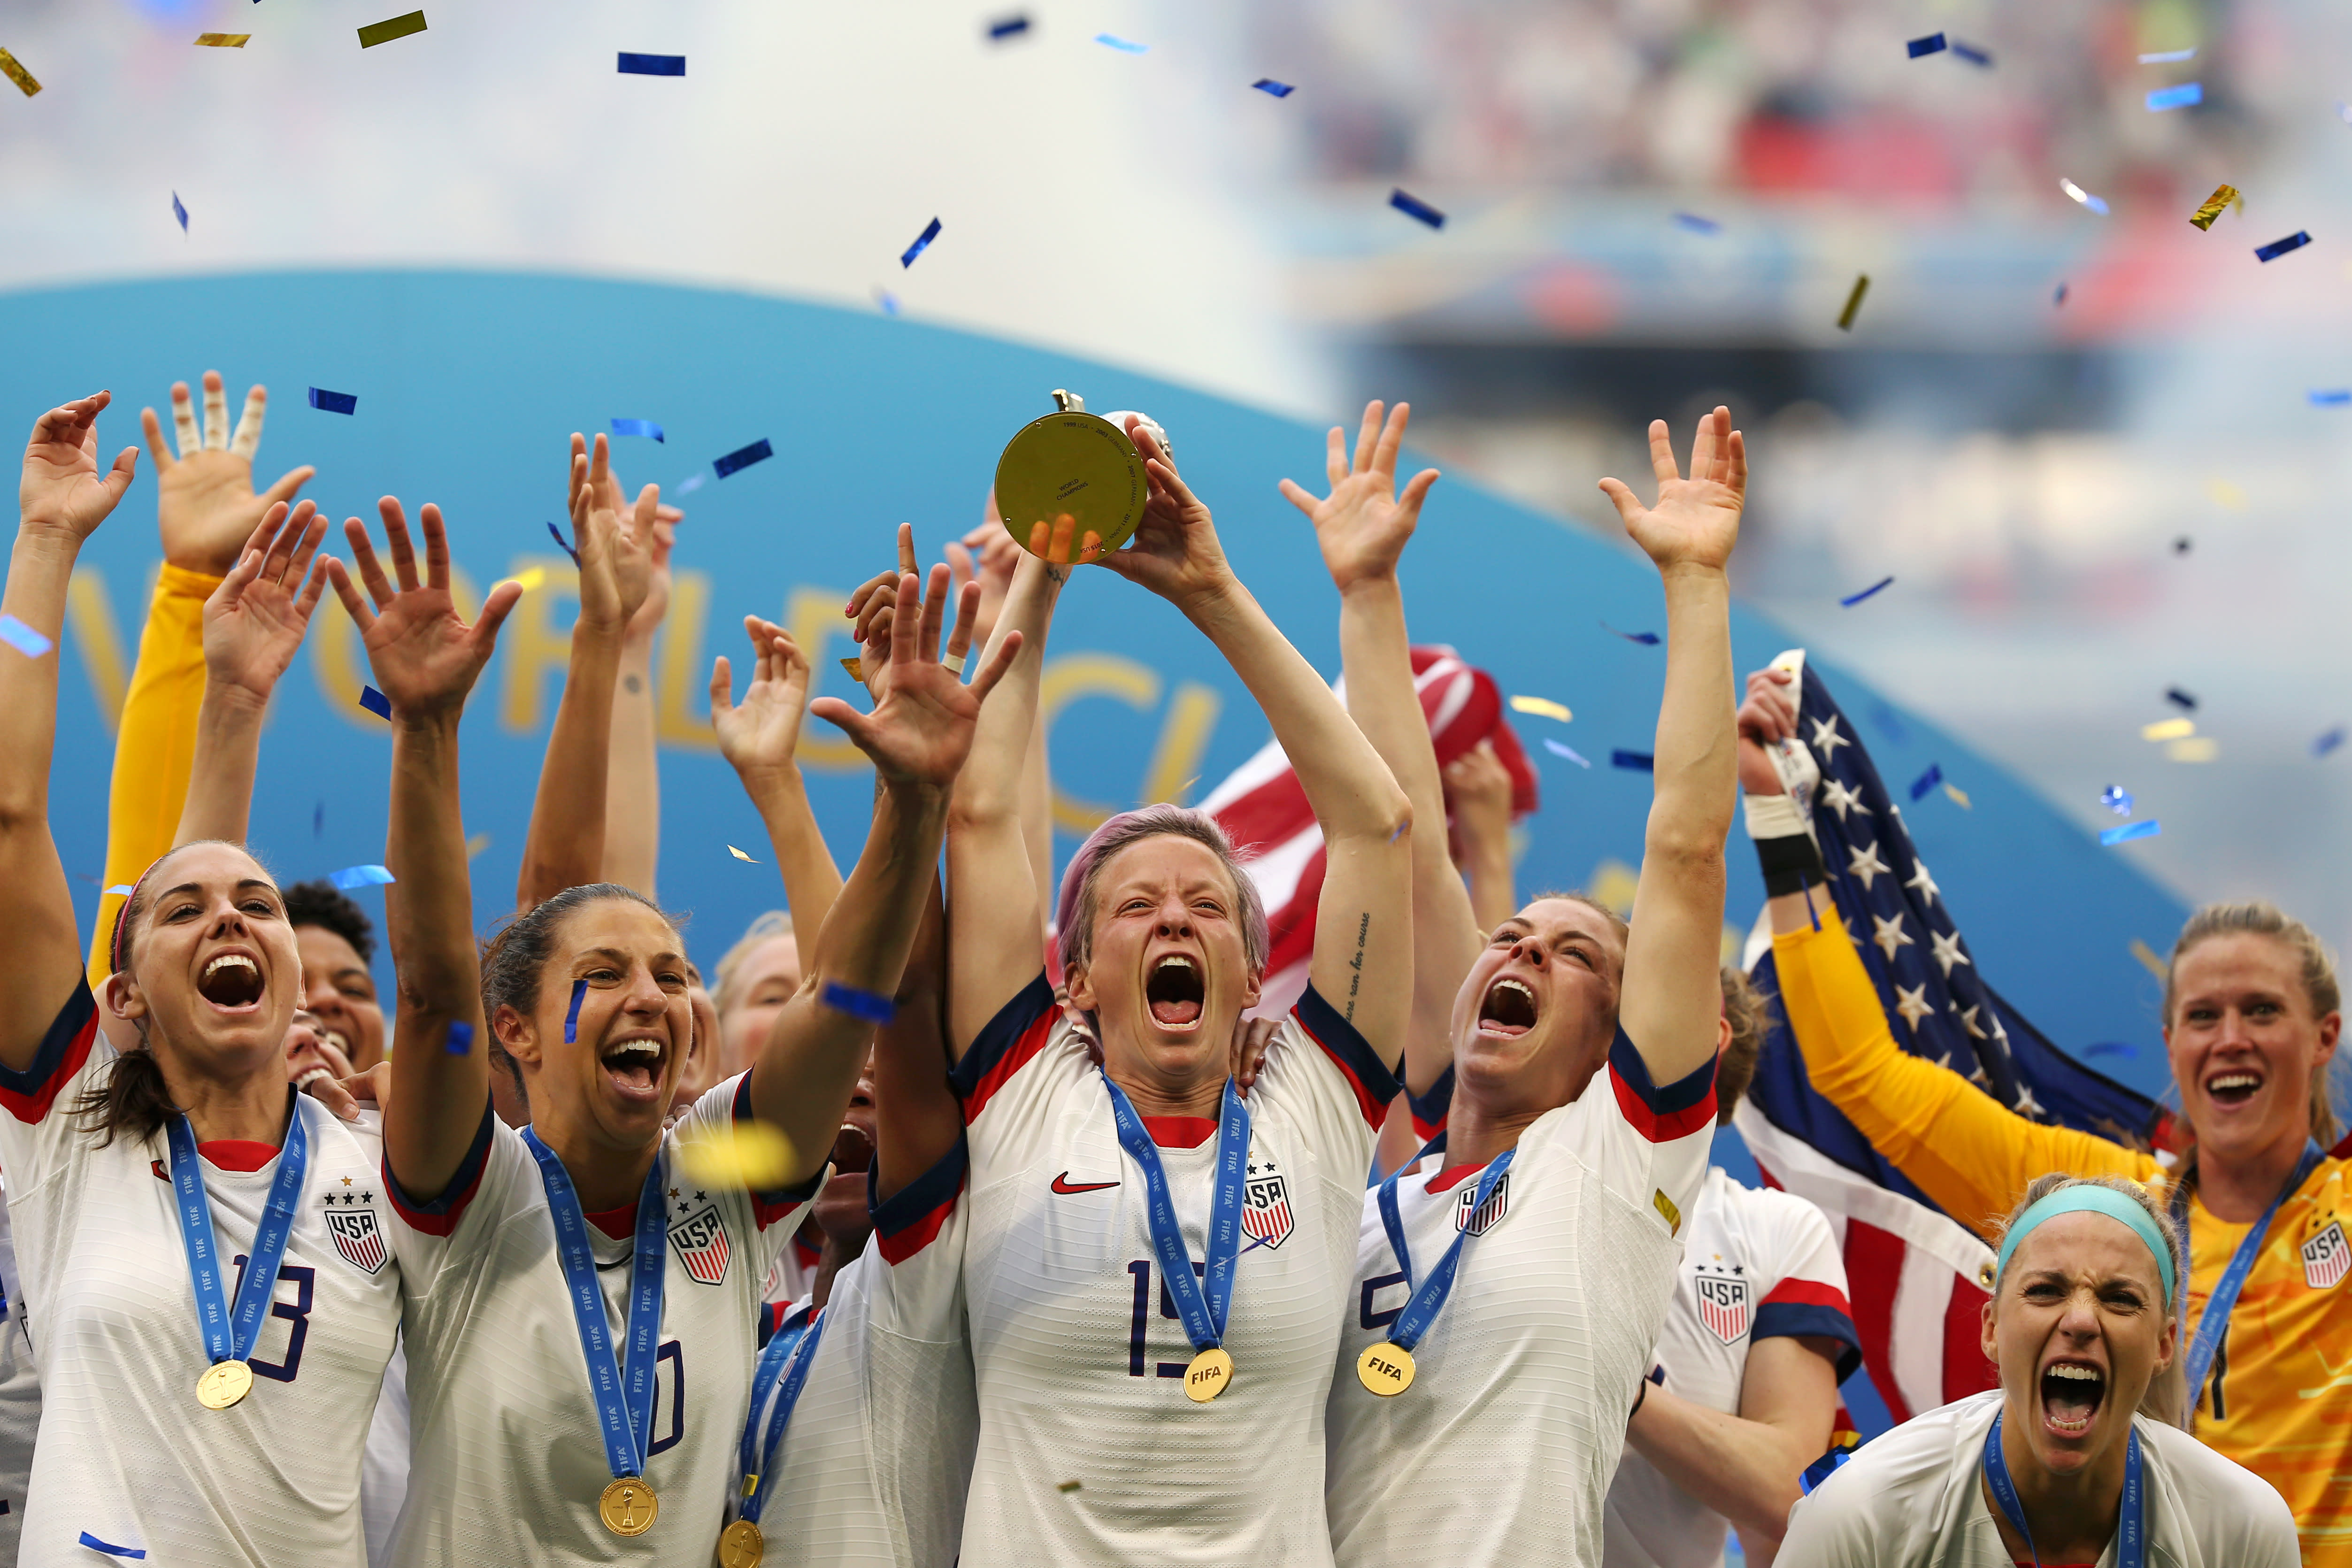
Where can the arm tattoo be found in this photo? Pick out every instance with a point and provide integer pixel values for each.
(1355, 964)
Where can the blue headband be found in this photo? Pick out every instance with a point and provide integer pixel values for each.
(2091, 1198)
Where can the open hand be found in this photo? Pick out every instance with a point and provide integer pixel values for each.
(255, 618)
(1697, 520)
(614, 538)
(921, 732)
(425, 658)
(758, 735)
(1363, 524)
(988, 553)
(62, 490)
(1175, 552)
(205, 502)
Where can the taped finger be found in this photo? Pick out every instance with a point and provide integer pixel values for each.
(247, 440)
(215, 414)
(183, 421)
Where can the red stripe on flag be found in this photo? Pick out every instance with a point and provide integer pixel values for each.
(1965, 1370)
(1873, 1267)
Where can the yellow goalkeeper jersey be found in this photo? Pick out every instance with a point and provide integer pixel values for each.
(2279, 1401)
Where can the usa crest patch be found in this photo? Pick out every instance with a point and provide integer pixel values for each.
(2326, 1257)
(1723, 1306)
(358, 1237)
(700, 1241)
(1266, 1205)
(1489, 1214)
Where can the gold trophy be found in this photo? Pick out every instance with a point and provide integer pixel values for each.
(1075, 465)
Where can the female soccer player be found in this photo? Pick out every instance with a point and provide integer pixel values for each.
(2074, 1457)
(1117, 1423)
(211, 1334)
(560, 1404)
(1506, 1308)
(2252, 1018)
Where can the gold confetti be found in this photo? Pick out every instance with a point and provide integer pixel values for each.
(2168, 730)
(1068, 1486)
(2226, 494)
(476, 843)
(1666, 1207)
(222, 40)
(1959, 796)
(2198, 749)
(740, 855)
(2147, 956)
(2215, 204)
(17, 74)
(856, 667)
(752, 1155)
(1543, 706)
(383, 32)
(533, 578)
(1854, 302)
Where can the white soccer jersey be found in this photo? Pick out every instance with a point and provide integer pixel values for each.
(126, 1454)
(383, 1465)
(507, 1463)
(876, 1460)
(1913, 1499)
(794, 1270)
(1757, 1263)
(1079, 1350)
(20, 1395)
(1502, 1450)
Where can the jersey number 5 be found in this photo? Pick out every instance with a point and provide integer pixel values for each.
(1141, 1270)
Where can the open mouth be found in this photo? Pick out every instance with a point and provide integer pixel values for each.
(1509, 1009)
(1175, 991)
(2234, 1087)
(2072, 1393)
(231, 981)
(851, 1149)
(633, 1064)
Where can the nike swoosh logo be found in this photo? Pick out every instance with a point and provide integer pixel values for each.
(1061, 1185)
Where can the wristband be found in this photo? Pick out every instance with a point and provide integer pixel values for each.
(1790, 864)
(1770, 815)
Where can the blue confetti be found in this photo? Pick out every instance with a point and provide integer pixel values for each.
(1273, 89)
(1647, 639)
(572, 1019)
(1121, 45)
(351, 877)
(2117, 799)
(2279, 247)
(1888, 721)
(1634, 762)
(2169, 57)
(743, 458)
(638, 427)
(1010, 27)
(182, 214)
(2179, 699)
(375, 702)
(2327, 742)
(691, 483)
(1414, 207)
(1825, 1467)
(125, 887)
(653, 65)
(2058, 298)
(1850, 600)
(561, 543)
(1926, 780)
(2329, 397)
(2131, 831)
(2111, 1049)
(95, 1544)
(2180, 97)
(1933, 44)
(887, 300)
(461, 1037)
(23, 639)
(907, 257)
(1698, 224)
(1558, 750)
(1974, 57)
(859, 1003)
(327, 402)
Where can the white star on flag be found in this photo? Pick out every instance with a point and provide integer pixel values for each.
(2026, 1104)
(1948, 951)
(1912, 1003)
(1826, 739)
(1839, 798)
(1921, 883)
(1867, 865)
(1889, 935)
(1968, 1021)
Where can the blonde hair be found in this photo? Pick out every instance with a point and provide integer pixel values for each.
(767, 928)
(2257, 918)
(1750, 1015)
(2167, 1391)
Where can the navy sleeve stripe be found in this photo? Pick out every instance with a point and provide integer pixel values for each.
(1682, 1095)
(993, 1058)
(1345, 1044)
(933, 1190)
(1429, 1110)
(1791, 1320)
(29, 1095)
(440, 1216)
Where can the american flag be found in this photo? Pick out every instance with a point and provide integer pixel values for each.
(1723, 1306)
(1264, 811)
(1917, 1278)
(357, 1236)
(701, 1242)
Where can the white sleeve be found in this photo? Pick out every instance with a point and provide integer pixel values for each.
(39, 1137)
(919, 1231)
(1009, 1079)
(1834, 1528)
(1804, 1280)
(462, 1223)
(775, 1215)
(1648, 1144)
(1328, 1079)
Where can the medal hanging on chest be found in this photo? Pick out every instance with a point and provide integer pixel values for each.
(783, 1367)
(1203, 1303)
(230, 1333)
(624, 1393)
(1387, 1369)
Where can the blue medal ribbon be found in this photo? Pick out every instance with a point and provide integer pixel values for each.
(2131, 1524)
(1429, 1296)
(2206, 1343)
(230, 1335)
(784, 1367)
(1203, 1303)
(623, 1402)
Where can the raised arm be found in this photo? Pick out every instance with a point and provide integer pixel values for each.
(919, 738)
(917, 1116)
(1672, 994)
(995, 907)
(425, 659)
(1480, 787)
(565, 846)
(1745, 1466)
(61, 499)
(1362, 962)
(633, 771)
(758, 737)
(1363, 527)
(253, 623)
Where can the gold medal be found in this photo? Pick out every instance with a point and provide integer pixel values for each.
(628, 1506)
(740, 1545)
(224, 1383)
(1071, 465)
(1210, 1373)
(1386, 1369)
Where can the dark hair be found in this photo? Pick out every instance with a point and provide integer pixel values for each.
(1751, 1017)
(132, 1099)
(515, 960)
(323, 905)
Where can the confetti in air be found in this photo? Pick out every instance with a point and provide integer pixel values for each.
(1634, 762)
(2076, 193)
(2215, 204)
(375, 702)
(179, 212)
(377, 33)
(1009, 27)
(2117, 799)
(354, 877)
(2131, 831)
(2181, 96)
(1124, 46)
(1543, 706)
(17, 74)
(1933, 44)
(1853, 303)
(637, 427)
(1926, 782)
(223, 40)
(2169, 57)
(23, 639)
(2279, 247)
(922, 243)
(1850, 600)
(1412, 207)
(2168, 730)
(2327, 742)
(327, 402)
(1272, 88)
(740, 855)
(742, 458)
(653, 65)
(1560, 748)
